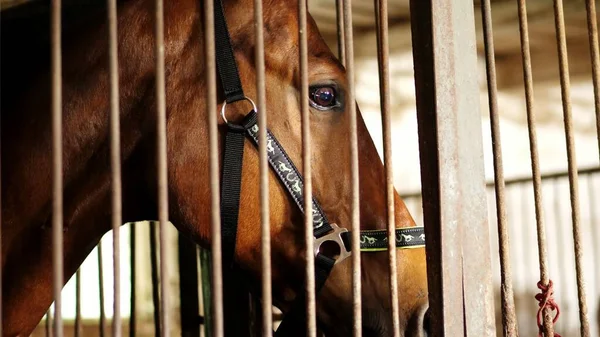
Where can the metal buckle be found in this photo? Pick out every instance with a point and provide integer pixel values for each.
(336, 236)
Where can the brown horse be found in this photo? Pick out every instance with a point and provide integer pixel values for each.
(26, 155)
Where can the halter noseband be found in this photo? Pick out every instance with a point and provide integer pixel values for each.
(289, 176)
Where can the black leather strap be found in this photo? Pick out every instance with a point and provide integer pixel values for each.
(226, 65)
(294, 322)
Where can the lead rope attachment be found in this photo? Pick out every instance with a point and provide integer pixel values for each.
(546, 300)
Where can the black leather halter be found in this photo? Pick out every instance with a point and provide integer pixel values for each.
(289, 176)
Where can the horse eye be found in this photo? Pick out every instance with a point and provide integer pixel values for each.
(323, 98)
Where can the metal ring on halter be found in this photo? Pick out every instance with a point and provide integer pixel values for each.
(225, 104)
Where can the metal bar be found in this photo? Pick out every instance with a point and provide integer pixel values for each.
(265, 225)
(452, 171)
(383, 60)
(509, 319)
(57, 167)
(211, 108)
(78, 326)
(595, 225)
(311, 320)
(531, 125)
(102, 328)
(563, 260)
(590, 7)
(115, 163)
(205, 274)
(355, 193)
(155, 281)
(133, 294)
(161, 149)
(188, 287)
(565, 86)
(447, 316)
(1, 332)
(48, 323)
(339, 11)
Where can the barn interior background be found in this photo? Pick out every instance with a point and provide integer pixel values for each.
(515, 144)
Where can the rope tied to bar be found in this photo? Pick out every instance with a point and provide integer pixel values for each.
(546, 300)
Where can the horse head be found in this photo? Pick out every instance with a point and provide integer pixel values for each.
(26, 157)
(331, 176)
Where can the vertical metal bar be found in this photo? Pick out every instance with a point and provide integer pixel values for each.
(161, 149)
(205, 270)
(133, 294)
(57, 167)
(531, 124)
(78, 303)
(590, 6)
(311, 320)
(561, 40)
(595, 225)
(48, 323)
(383, 56)
(355, 204)
(188, 287)
(452, 170)
(102, 328)
(509, 319)
(211, 108)
(155, 280)
(445, 288)
(339, 10)
(1, 333)
(115, 163)
(563, 277)
(266, 305)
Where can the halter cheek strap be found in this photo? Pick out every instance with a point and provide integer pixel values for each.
(290, 177)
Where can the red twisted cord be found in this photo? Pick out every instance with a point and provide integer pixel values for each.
(546, 300)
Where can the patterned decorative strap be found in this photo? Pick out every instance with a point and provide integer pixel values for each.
(406, 237)
(290, 177)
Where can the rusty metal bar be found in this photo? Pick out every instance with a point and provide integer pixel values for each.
(48, 322)
(155, 280)
(133, 294)
(115, 164)
(57, 167)
(452, 170)
(509, 318)
(161, 148)
(265, 225)
(215, 229)
(102, 327)
(339, 11)
(311, 320)
(531, 125)
(1, 332)
(590, 7)
(383, 60)
(565, 85)
(563, 260)
(595, 228)
(78, 326)
(355, 193)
